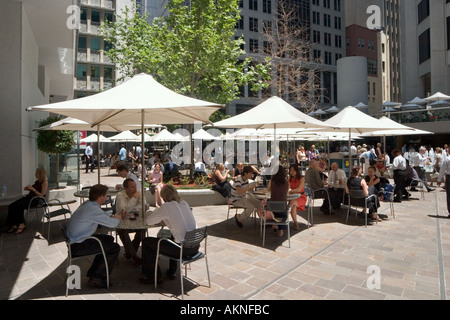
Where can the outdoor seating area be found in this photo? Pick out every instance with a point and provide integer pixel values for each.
(241, 267)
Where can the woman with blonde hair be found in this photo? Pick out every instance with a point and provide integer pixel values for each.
(15, 222)
(177, 215)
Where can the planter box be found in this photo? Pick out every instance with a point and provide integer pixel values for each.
(195, 197)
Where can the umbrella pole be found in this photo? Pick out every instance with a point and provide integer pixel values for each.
(142, 165)
(350, 152)
(98, 154)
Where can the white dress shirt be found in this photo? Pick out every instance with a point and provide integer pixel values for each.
(420, 160)
(445, 169)
(399, 163)
(335, 176)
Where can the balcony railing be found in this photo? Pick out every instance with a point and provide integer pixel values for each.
(82, 55)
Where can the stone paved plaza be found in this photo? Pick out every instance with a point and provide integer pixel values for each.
(333, 260)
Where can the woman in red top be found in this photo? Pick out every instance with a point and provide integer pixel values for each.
(296, 186)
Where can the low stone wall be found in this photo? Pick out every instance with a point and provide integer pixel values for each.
(195, 197)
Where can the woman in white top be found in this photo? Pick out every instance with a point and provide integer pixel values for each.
(177, 216)
(155, 179)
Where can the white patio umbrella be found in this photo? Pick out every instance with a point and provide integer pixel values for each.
(418, 101)
(406, 131)
(353, 121)
(361, 105)
(166, 136)
(125, 136)
(133, 101)
(438, 96)
(203, 135)
(333, 110)
(95, 138)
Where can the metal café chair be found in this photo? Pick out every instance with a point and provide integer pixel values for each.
(192, 239)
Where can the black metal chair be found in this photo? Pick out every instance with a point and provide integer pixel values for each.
(192, 239)
(356, 199)
(71, 258)
(276, 207)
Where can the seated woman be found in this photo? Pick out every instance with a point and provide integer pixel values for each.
(357, 183)
(155, 179)
(279, 188)
(15, 221)
(220, 177)
(296, 186)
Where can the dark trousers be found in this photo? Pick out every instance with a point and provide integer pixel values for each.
(422, 175)
(131, 246)
(149, 248)
(90, 246)
(16, 211)
(336, 197)
(89, 163)
(399, 180)
(322, 194)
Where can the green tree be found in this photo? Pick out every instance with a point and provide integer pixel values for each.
(54, 141)
(191, 51)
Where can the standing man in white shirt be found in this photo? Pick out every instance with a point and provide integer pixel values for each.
(419, 165)
(445, 172)
(89, 153)
(399, 167)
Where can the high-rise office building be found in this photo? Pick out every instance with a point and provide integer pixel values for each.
(324, 25)
(426, 43)
(373, 27)
(95, 71)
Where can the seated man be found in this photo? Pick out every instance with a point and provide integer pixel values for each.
(239, 195)
(411, 177)
(336, 185)
(177, 215)
(84, 223)
(129, 201)
(315, 182)
(122, 170)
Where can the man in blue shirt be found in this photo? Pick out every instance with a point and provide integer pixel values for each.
(84, 223)
(123, 153)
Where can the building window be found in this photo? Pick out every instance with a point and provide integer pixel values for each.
(95, 43)
(337, 23)
(327, 20)
(423, 10)
(81, 70)
(240, 23)
(372, 67)
(424, 46)
(328, 58)
(267, 6)
(253, 24)
(327, 37)
(253, 5)
(361, 43)
(108, 73)
(326, 4)
(337, 5)
(82, 43)
(448, 31)
(95, 72)
(338, 41)
(316, 17)
(253, 45)
(95, 16)
(316, 36)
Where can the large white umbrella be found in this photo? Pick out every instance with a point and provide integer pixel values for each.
(95, 138)
(125, 136)
(131, 103)
(166, 136)
(418, 101)
(274, 112)
(438, 96)
(353, 121)
(203, 135)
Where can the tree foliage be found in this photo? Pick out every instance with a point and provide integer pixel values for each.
(191, 51)
(54, 141)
